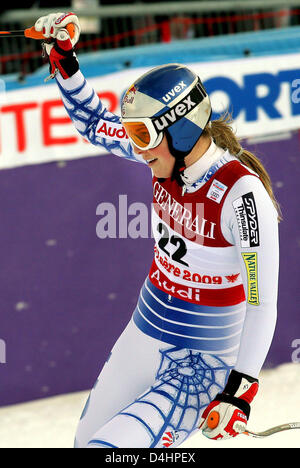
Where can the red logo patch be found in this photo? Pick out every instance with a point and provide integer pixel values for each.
(232, 278)
(169, 439)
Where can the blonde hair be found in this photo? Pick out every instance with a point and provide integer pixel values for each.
(222, 133)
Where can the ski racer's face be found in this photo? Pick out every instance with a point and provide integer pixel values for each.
(159, 159)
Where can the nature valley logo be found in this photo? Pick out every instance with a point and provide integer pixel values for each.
(250, 260)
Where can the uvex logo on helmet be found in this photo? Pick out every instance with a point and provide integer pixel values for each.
(174, 114)
(177, 89)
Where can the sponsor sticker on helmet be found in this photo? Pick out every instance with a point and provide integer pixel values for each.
(179, 111)
(129, 96)
(174, 91)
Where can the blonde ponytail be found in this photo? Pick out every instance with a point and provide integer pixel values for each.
(221, 132)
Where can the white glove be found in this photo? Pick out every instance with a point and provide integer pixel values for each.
(54, 25)
(227, 415)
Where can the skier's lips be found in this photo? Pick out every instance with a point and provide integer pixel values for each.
(151, 161)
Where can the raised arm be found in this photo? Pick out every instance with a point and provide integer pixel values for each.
(90, 117)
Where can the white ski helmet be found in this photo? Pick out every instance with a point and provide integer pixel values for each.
(171, 100)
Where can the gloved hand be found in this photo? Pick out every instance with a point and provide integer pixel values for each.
(227, 415)
(51, 25)
(59, 46)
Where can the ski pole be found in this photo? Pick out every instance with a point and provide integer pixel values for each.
(33, 34)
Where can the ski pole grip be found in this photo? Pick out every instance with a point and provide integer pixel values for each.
(33, 34)
(213, 420)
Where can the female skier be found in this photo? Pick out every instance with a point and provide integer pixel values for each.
(206, 313)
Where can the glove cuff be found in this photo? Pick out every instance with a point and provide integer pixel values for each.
(240, 404)
(239, 391)
(241, 386)
(63, 58)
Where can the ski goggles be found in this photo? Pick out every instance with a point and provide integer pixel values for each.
(142, 132)
(147, 132)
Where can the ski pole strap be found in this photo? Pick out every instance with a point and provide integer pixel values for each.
(238, 402)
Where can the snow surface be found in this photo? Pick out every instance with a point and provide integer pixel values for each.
(52, 422)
